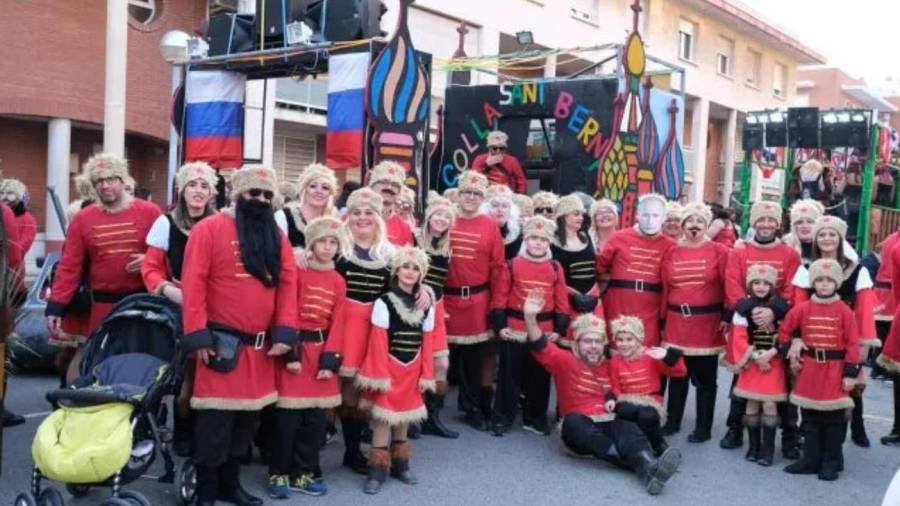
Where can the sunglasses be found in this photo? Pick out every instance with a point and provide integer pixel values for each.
(495, 148)
(544, 210)
(256, 192)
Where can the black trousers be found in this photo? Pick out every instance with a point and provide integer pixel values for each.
(587, 437)
(519, 373)
(295, 444)
(645, 417)
(703, 374)
(466, 358)
(220, 434)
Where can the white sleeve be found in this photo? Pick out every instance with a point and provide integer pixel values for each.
(281, 221)
(428, 326)
(739, 320)
(380, 316)
(158, 237)
(801, 278)
(863, 280)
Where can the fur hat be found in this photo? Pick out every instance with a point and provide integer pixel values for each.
(588, 323)
(13, 186)
(653, 196)
(569, 204)
(257, 178)
(452, 194)
(765, 208)
(497, 139)
(673, 211)
(407, 195)
(387, 171)
(538, 226)
(698, 209)
(322, 227)
(832, 222)
(499, 193)
(806, 209)
(474, 181)
(105, 165)
(544, 199)
(604, 204)
(762, 272)
(365, 197)
(289, 191)
(523, 202)
(826, 268)
(437, 204)
(631, 324)
(195, 170)
(84, 187)
(409, 255)
(316, 172)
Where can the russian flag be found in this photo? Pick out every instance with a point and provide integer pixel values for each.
(347, 75)
(214, 118)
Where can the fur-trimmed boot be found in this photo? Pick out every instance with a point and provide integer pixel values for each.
(753, 437)
(767, 448)
(379, 467)
(434, 402)
(400, 454)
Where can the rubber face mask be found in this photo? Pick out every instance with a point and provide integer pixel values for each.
(651, 215)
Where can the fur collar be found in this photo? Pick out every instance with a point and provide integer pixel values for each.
(297, 214)
(684, 243)
(406, 309)
(769, 245)
(825, 300)
(315, 265)
(353, 258)
(122, 205)
(546, 258)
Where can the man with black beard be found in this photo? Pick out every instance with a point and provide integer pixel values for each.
(240, 302)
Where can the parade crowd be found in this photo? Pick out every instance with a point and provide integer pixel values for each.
(304, 314)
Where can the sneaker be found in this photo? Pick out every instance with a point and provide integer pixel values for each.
(279, 486)
(306, 484)
(540, 428)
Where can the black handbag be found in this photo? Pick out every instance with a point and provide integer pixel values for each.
(81, 302)
(228, 348)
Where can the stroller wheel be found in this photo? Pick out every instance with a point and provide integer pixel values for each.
(51, 497)
(115, 501)
(25, 499)
(186, 482)
(134, 498)
(78, 490)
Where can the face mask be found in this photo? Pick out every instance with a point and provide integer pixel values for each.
(651, 216)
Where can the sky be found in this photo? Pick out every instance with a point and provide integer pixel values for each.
(862, 37)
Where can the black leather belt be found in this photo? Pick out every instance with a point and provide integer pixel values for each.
(312, 336)
(466, 291)
(256, 340)
(821, 355)
(883, 284)
(687, 310)
(111, 297)
(638, 285)
(541, 317)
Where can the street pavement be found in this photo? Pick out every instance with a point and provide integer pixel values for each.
(523, 468)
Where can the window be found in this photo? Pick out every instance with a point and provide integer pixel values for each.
(686, 40)
(778, 77)
(143, 12)
(754, 61)
(584, 10)
(725, 57)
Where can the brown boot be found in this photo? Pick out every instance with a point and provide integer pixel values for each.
(400, 453)
(379, 465)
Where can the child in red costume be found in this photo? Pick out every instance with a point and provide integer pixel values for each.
(634, 374)
(761, 370)
(532, 269)
(826, 359)
(308, 384)
(398, 368)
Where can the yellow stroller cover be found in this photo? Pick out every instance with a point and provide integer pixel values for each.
(84, 444)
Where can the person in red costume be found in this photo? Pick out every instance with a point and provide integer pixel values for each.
(16, 270)
(473, 292)
(632, 257)
(825, 358)
(387, 179)
(634, 375)
(586, 404)
(764, 248)
(499, 166)
(693, 276)
(518, 373)
(398, 368)
(239, 283)
(307, 381)
(161, 270)
(105, 242)
(889, 358)
(14, 192)
(672, 225)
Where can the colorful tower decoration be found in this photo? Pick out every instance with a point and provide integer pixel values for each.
(397, 101)
(670, 171)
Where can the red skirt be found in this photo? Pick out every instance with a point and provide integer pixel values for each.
(890, 352)
(356, 327)
(756, 385)
(250, 386)
(468, 322)
(439, 335)
(402, 403)
(304, 390)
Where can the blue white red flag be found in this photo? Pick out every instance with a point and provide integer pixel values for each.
(347, 75)
(214, 118)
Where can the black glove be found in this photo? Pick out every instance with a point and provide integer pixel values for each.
(497, 318)
(329, 361)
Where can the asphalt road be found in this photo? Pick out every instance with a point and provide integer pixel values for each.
(523, 468)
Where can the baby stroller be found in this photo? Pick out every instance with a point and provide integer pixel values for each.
(110, 423)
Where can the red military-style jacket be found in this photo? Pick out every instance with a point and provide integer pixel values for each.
(581, 388)
(27, 227)
(527, 274)
(507, 173)
(637, 381)
(782, 257)
(884, 292)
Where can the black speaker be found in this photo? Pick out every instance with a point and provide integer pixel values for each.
(229, 34)
(342, 20)
(753, 136)
(803, 127)
(776, 134)
(272, 16)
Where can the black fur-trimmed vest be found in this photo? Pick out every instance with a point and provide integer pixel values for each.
(295, 236)
(404, 327)
(761, 339)
(580, 267)
(177, 244)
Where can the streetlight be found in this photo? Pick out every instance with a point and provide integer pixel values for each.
(174, 49)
